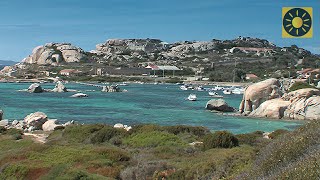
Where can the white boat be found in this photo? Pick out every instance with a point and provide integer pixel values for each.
(218, 88)
(199, 88)
(214, 94)
(79, 95)
(227, 91)
(192, 97)
(238, 91)
(122, 84)
(184, 87)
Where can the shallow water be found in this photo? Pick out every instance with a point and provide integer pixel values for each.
(162, 104)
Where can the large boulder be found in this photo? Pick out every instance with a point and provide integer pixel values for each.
(35, 88)
(273, 108)
(219, 105)
(51, 125)
(305, 104)
(4, 122)
(59, 87)
(258, 93)
(36, 120)
(55, 53)
(302, 104)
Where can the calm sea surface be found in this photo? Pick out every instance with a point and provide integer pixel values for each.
(143, 103)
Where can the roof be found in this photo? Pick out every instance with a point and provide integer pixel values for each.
(155, 67)
(172, 68)
(251, 76)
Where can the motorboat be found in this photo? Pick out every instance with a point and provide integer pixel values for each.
(199, 88)
(214, 94)
(227, 91)
(237, 91)
(192, 97)
(184, 87)
(218, 88)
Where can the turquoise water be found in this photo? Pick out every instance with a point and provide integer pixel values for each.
(162, 104)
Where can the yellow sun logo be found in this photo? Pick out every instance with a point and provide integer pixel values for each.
(297, 22)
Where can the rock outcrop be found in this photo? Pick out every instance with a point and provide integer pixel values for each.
(271, 109)
(258, 93)
(4, 122)
(36, 120)
(305, 104)
(126, 46)
(55, 53)
(51, 125)
(59, 87)
(302, 104)
(35, 88)
(219, 105)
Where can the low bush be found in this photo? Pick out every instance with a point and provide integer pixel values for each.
(153, 139)
(250, 138)
(2, 129)
(80, 133)
(299, 85)
(220, 139)
(106, 133)
(197, 131)
(277, 133)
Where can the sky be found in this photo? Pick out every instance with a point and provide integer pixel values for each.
(25, 24)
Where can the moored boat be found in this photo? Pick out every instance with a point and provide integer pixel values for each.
(184, 87)
(227, 91)
(214, 94)
(192, 97)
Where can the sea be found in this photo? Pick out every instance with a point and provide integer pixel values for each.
(162, 104)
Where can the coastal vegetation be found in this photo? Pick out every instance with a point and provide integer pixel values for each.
(149, 151)
(299, 85)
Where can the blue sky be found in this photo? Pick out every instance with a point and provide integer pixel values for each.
(27, 24)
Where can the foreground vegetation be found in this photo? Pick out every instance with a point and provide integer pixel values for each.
(156, 152)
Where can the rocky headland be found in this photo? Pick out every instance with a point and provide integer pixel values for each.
(266, 99)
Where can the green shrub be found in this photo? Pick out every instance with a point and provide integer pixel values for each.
(2, 129)
(13, 131)
(275, 134)
(220, 139)
(299, 85)
(197, 131)
(16, 134)
(14, 171)
(153, 139)
(114, 154)
(80, 133)
(146, 128)
(106, 133)
(250, 138)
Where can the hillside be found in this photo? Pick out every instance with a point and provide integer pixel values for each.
(221, 60)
